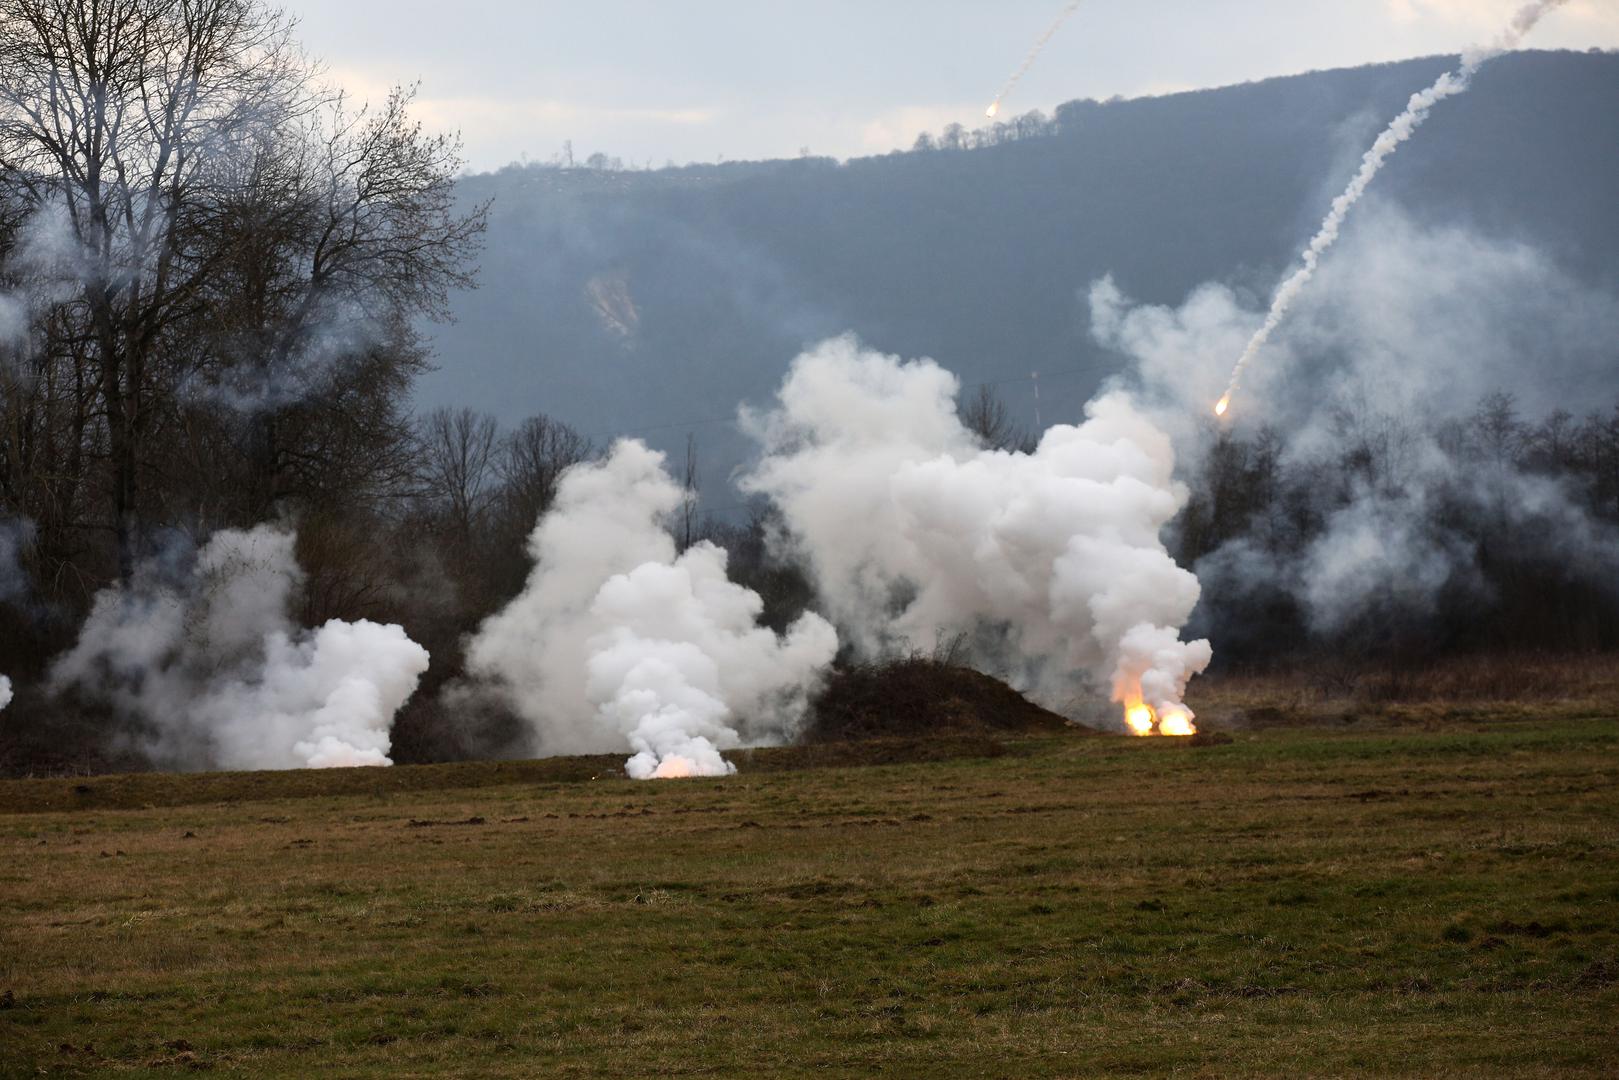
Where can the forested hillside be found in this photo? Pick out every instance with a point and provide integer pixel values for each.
(623, 300)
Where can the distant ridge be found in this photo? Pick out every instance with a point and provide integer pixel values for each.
(619, 301)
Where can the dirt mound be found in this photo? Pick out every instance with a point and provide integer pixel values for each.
(920, 696)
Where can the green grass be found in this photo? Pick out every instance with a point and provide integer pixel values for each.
(1298, 903)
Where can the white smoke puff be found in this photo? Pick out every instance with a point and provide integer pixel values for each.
(217, 670)
(5, 691)
(617, 641)
(327, 701)
(914, 533)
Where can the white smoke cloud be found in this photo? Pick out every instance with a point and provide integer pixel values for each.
(1412, 325)
(5, 691)
(211, 662)
(1051, 561)
(1409, 317)
(617, 641)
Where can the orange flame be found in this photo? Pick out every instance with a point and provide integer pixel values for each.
(992, 110)
(1176, 723)
(1142, 719)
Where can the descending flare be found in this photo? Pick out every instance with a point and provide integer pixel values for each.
(1028, 61)
(1223, 404)
(1402, 128)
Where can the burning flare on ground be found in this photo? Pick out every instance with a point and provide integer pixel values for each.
(1142, 719)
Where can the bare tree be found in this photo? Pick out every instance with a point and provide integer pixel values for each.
(110, 114)
(986, 416)
(240, 258)
(532, 460)
(459, 466)
(688, 524)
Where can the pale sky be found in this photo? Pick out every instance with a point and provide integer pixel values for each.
(701, 80)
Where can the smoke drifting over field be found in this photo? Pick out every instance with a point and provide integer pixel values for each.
(617, 637)
(207, 657)
(1050, 562)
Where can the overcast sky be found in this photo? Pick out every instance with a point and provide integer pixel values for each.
(700, 80)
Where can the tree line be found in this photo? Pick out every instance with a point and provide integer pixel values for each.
(212, 273)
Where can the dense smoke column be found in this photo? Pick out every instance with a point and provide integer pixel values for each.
(206, 656)
(1401, 129)
(619, 641)
(1028, 61)
(1050, 562)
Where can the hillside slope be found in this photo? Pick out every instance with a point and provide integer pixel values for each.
(618, 301)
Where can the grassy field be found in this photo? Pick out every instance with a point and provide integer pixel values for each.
(1423, 899)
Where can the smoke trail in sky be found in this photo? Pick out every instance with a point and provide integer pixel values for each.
(1034, 54)
(1402, 128)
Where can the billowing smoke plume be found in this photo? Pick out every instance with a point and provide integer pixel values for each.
(1050, 562)
(618, 641)
(207, 657)
(1401, 129)
(1379, 484)
(1028, 61)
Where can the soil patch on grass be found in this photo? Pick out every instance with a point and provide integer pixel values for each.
(919, 696)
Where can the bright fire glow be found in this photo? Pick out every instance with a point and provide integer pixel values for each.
(1222, 406)
(1140, 719)
(992, 110)
(675, 768)
(1176, 723)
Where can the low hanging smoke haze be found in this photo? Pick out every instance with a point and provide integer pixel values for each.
(1392, 432)
(206, 656)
